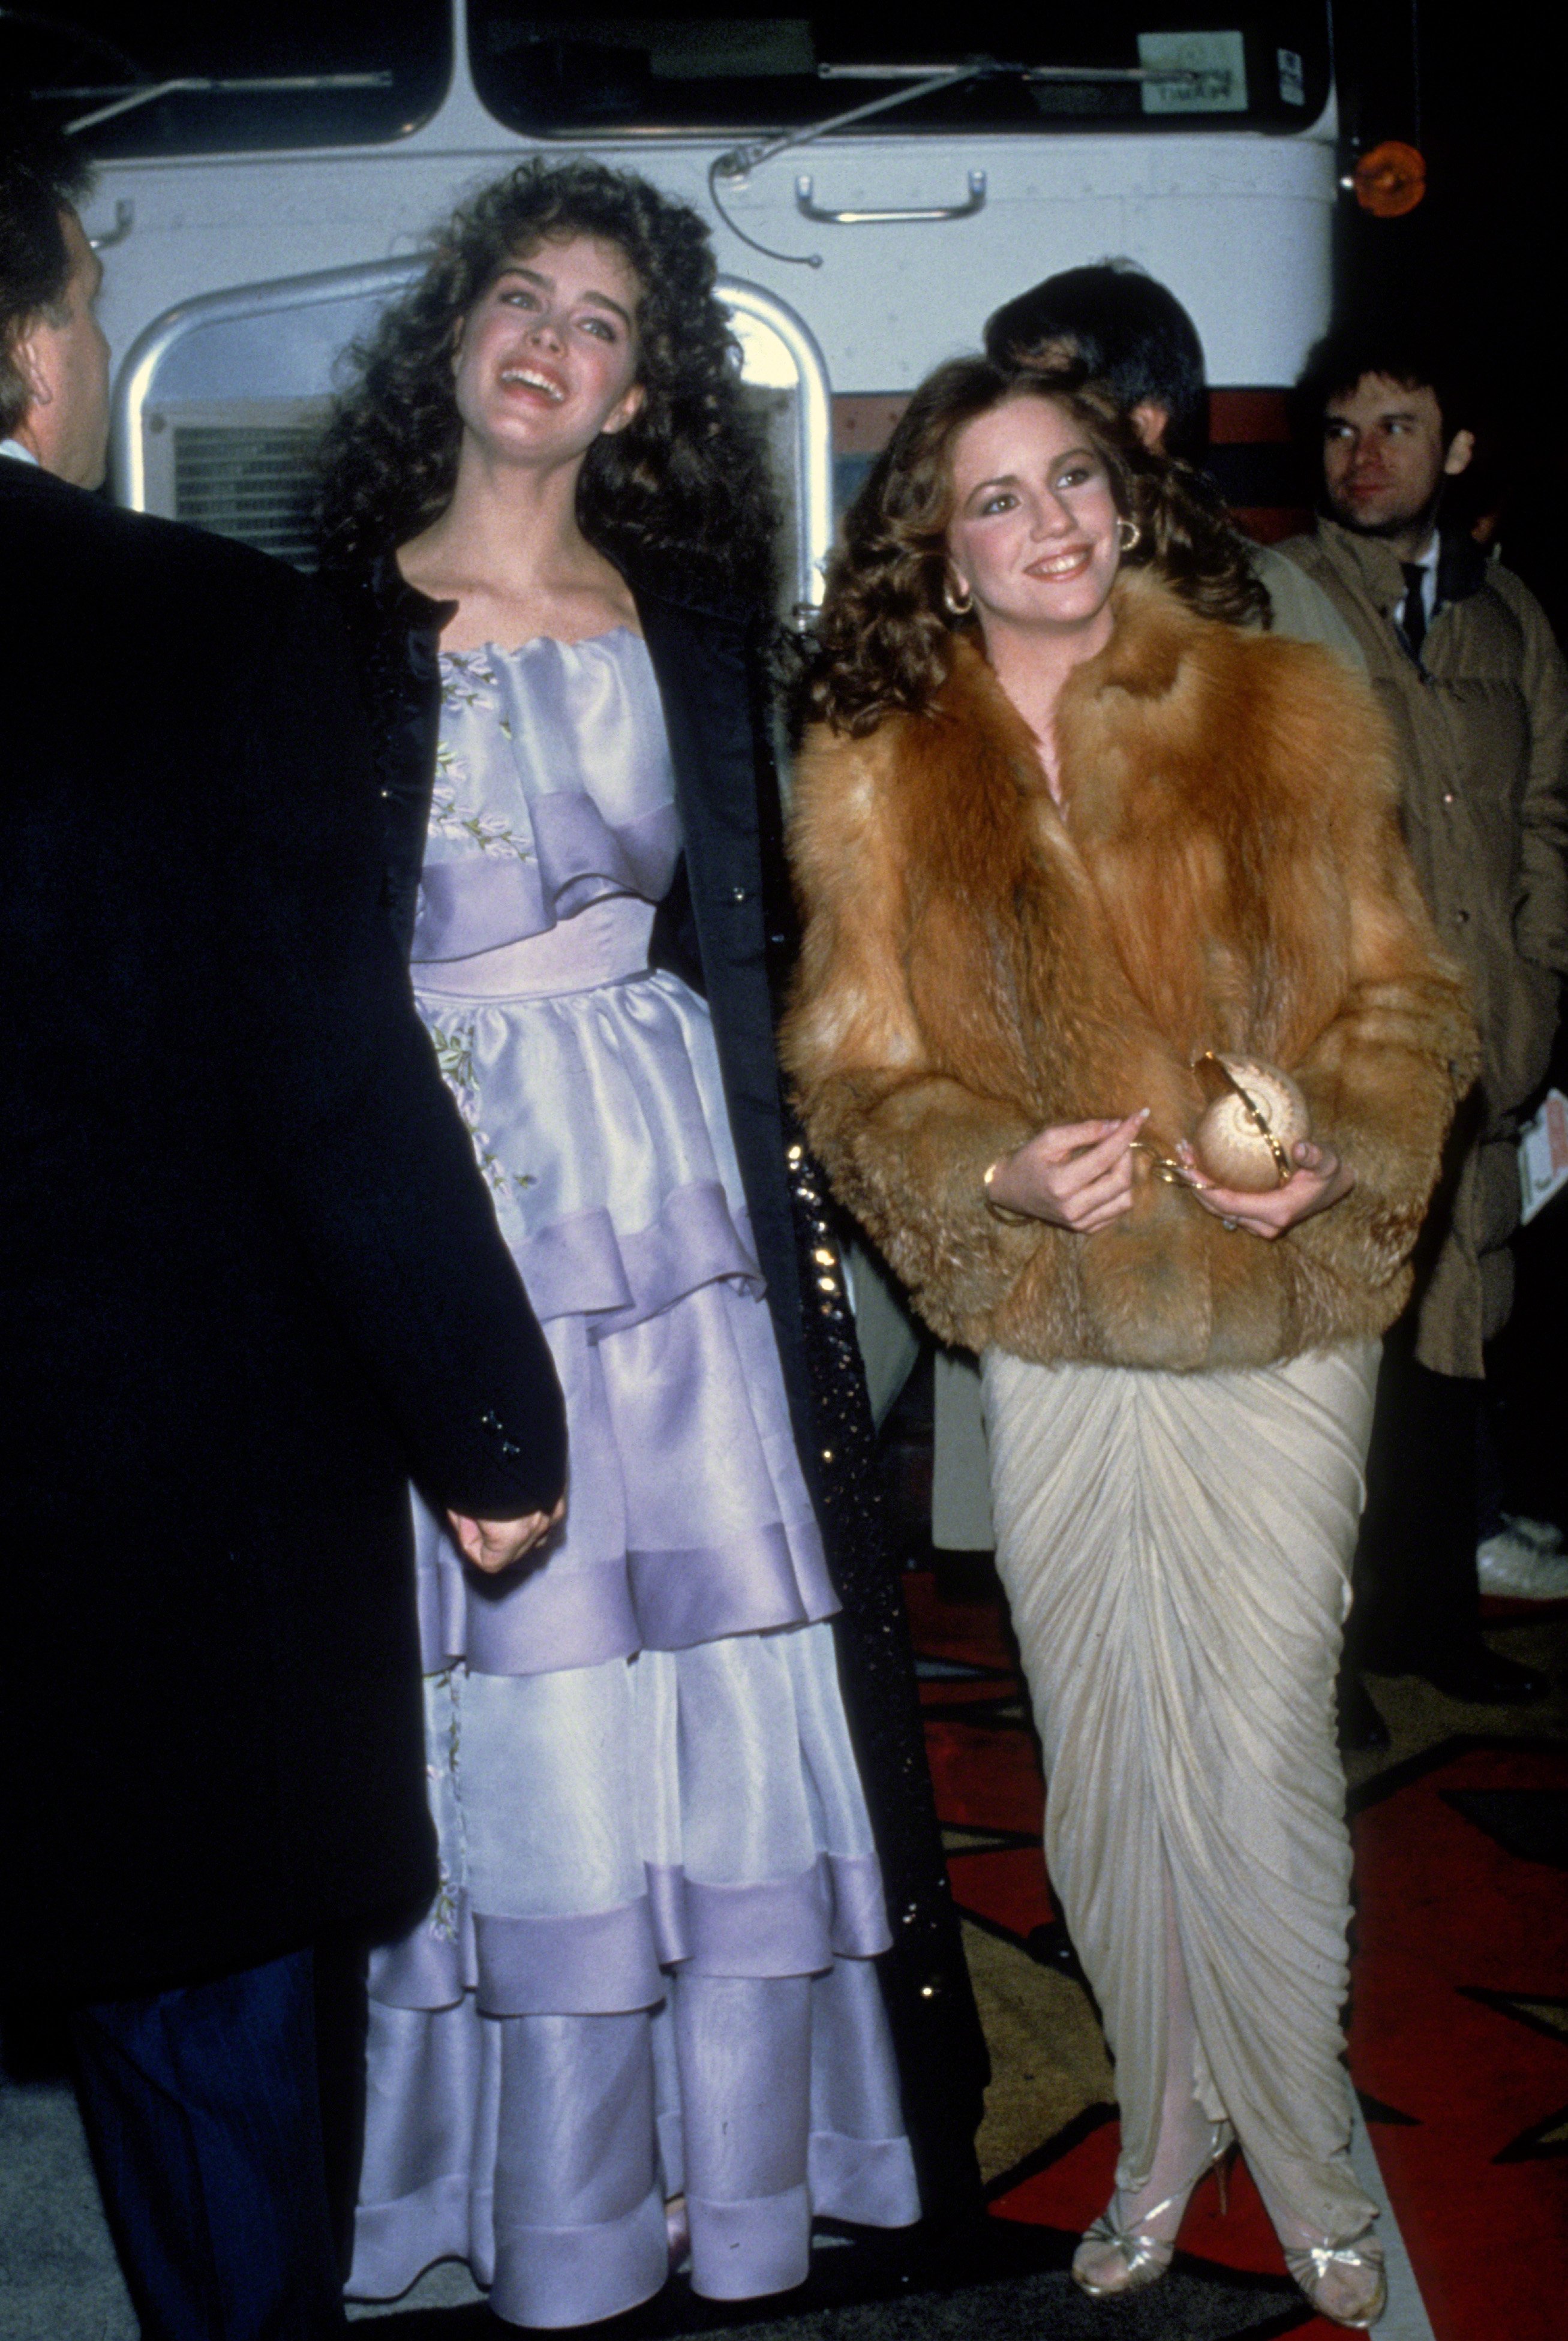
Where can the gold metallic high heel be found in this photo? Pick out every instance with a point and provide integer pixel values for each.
(1314, 2270)
(1136, 2258)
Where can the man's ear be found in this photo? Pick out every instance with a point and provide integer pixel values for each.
(630, 407)
(1151, 420)
(26, 355)
(1460, 448)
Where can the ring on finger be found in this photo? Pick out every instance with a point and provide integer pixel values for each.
(1230, 1226)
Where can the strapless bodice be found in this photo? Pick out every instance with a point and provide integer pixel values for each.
(553, 791)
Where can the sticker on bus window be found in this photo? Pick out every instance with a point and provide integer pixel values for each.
(1208, 72)
(1293, 78)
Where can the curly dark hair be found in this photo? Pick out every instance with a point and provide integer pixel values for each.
(680, 498)
(884, 635)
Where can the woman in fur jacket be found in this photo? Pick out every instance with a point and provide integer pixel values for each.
(1066, 832)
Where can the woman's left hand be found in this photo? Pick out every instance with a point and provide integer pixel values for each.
(1319, 1179)
(496, 1545)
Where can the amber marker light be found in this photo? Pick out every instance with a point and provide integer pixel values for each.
(1389, 180)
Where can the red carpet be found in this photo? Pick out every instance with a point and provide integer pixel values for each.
(1460, 2027)
(1458, 2035)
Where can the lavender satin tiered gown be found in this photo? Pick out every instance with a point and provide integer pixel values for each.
(647, 1970)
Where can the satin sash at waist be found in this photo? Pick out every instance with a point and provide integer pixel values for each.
(476, 902)
(606, 943)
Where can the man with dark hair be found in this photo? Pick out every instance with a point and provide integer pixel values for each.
(1130, 333)
(1411, 357)
(1476, 693)
(53, 359)
(251, 1284)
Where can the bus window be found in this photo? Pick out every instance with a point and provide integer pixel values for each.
(553, 72)
(354, 73)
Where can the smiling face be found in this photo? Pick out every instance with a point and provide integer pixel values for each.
(547, 357)
(1385, 459)
(1033, 530)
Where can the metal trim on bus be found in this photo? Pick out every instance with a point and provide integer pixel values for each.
(135, 389)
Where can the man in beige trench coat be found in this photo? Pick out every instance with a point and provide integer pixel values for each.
(1475, 688)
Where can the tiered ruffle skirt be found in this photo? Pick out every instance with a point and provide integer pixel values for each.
(648, 1968)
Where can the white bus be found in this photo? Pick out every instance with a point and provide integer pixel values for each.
(264, 185)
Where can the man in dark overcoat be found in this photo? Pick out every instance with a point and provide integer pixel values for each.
(251, 1283)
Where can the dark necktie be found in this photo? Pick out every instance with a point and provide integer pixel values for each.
(1413, 608)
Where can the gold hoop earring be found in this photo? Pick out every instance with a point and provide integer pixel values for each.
(954, 607)
(1128, 533)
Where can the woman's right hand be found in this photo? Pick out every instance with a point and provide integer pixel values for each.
(1072, 1174)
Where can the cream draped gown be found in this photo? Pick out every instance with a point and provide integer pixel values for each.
(1175, 1549)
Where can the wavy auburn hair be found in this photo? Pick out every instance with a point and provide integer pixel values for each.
(884, 636)
(680, 499)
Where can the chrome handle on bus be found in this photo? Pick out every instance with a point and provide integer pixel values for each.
(975, 201)
(125, 221)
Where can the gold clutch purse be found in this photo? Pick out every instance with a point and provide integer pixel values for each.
(1247, 1137)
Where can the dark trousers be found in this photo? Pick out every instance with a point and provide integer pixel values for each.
(1417, 1604)
(203, 2110)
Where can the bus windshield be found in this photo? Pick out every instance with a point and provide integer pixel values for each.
(1124, 65)
(293, 73)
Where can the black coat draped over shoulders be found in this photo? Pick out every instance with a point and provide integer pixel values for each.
(251, 1279)
(726, 927)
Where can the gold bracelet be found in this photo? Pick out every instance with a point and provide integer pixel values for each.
(1004, 1211)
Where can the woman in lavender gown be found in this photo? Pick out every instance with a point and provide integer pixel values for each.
(643, 2005)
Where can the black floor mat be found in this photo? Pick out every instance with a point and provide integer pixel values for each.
(1001, 2281)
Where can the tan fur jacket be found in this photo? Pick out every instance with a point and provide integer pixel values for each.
(1226, 873)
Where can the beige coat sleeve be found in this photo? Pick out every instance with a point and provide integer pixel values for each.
(1383, 1077)
(1541, 910)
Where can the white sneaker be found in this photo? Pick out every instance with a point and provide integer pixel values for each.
(1526, 1562)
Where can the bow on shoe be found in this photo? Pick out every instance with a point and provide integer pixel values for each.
(1313, 2269)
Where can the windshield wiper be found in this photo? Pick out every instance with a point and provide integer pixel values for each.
(126, 101)
(923, 81)
(1030, 73)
